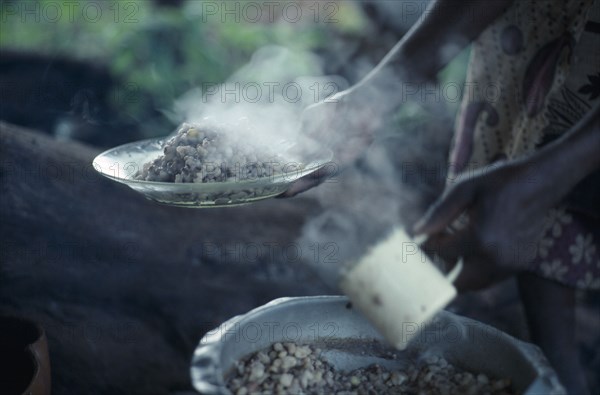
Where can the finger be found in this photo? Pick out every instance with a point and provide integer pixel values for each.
(302, 185)
(450, 247)
(352, 148)
(477, 274)
(316, 120)
(470, 278)
(311, 180)
(478, 270)
(446, 209)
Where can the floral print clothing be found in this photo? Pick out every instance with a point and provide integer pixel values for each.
(534, 73)
(568, 250)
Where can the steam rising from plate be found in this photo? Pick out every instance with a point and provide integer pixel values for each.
(263, 101)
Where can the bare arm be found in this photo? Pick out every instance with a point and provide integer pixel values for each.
(550, 174)
(346, 123)
(445, 28)
(507, 205)
(575, 155)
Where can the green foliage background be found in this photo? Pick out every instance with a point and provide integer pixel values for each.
(165, 51)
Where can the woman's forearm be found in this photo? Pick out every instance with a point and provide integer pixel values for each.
(445, 28)
(574, 156)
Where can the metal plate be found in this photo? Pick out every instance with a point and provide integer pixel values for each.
(123, 163)
(349, 341)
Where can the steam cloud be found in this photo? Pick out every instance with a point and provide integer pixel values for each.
(263, 101)
(390, 186)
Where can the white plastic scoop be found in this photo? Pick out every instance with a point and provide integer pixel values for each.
(397, 287)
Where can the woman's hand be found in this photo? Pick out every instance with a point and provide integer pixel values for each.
(343, 124)
(506, 207)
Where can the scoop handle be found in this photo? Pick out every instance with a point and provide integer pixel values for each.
(455, 272)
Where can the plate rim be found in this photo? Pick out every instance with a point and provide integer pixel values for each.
(275, 179)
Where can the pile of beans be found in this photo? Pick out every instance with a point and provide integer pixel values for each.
(200, 154)
(289, 368)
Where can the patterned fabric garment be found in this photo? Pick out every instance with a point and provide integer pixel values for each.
(533, 74)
